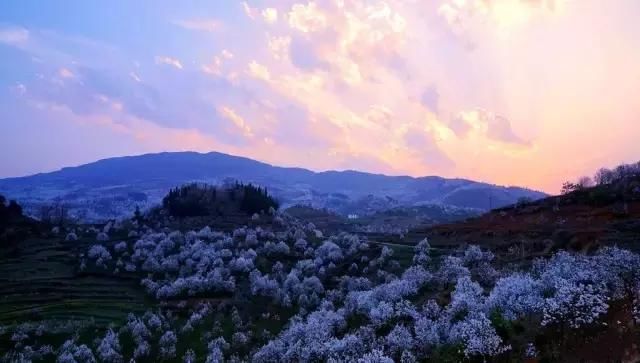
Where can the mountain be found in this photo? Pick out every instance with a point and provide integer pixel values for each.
(113, 187)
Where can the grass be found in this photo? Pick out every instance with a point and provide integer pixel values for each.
(39, 281)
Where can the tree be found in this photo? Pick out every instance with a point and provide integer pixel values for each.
(584, 182)
(195, 200)
(3, 207)
(399, 339)
(575, 304)
(568, 187)
(421, 253)
(478, 336)
(516, 296)
(14, 209)
(137, 215)
(54, 214)
(256, 199)
(11, 211)
(109, 348)
(606, 176)
(603, 176)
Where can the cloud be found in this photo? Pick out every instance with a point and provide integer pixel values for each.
(430, 98)
(270, 15)
(249, 11)
(65, 73)
(493, 126)
(460, 126)
(14, 36)
(226, 54)
(19, 89)
(205, 25)
(293, 125)
(467, 16)
(279, 46)
(239, 122)
(423, 147)
(169, 61)
(216, 65)
(213, 68)
(259, 71)
(135, 76)
(307, 18)
(380, 85)
(500, 129)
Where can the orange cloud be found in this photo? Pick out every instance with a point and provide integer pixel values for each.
(504, 15)
(237, 120)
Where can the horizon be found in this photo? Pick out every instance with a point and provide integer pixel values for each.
(506, 92)
(273, 165)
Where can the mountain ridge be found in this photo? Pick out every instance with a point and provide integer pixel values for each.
(330, 171)
(341, 191)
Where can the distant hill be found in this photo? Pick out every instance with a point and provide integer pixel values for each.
(113, 187)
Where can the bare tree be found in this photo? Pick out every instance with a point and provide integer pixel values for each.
(55, 213)
(604, 176)
(584, 182)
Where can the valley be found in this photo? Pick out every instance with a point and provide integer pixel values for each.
(201, 278)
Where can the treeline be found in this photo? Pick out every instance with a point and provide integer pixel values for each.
(195, 200)
(604, 176)
(9, 211)
(14, 226)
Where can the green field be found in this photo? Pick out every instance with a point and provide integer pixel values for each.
(40, 281)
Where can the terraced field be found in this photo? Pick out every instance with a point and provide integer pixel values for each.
(40, 281)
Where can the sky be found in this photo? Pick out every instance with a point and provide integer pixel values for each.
(512, 92)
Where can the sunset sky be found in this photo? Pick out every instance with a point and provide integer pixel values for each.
(515, 92)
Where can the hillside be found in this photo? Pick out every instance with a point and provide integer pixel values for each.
(274, 289)
(583, 220)
(113, 187)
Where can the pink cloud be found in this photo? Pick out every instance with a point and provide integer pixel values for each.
(270, 15)
(249, 11)
(307, 18)
(387, 85)
(169, 61)
(237, 120)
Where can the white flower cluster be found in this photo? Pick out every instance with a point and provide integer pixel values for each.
(100, 254)
(338, 299)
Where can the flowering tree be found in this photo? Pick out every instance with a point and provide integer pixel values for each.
(516, 296)
(109, 348)
(478, 336)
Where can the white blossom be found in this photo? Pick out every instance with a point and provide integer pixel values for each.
(109, 348)
(516, 296)
(478, 336)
